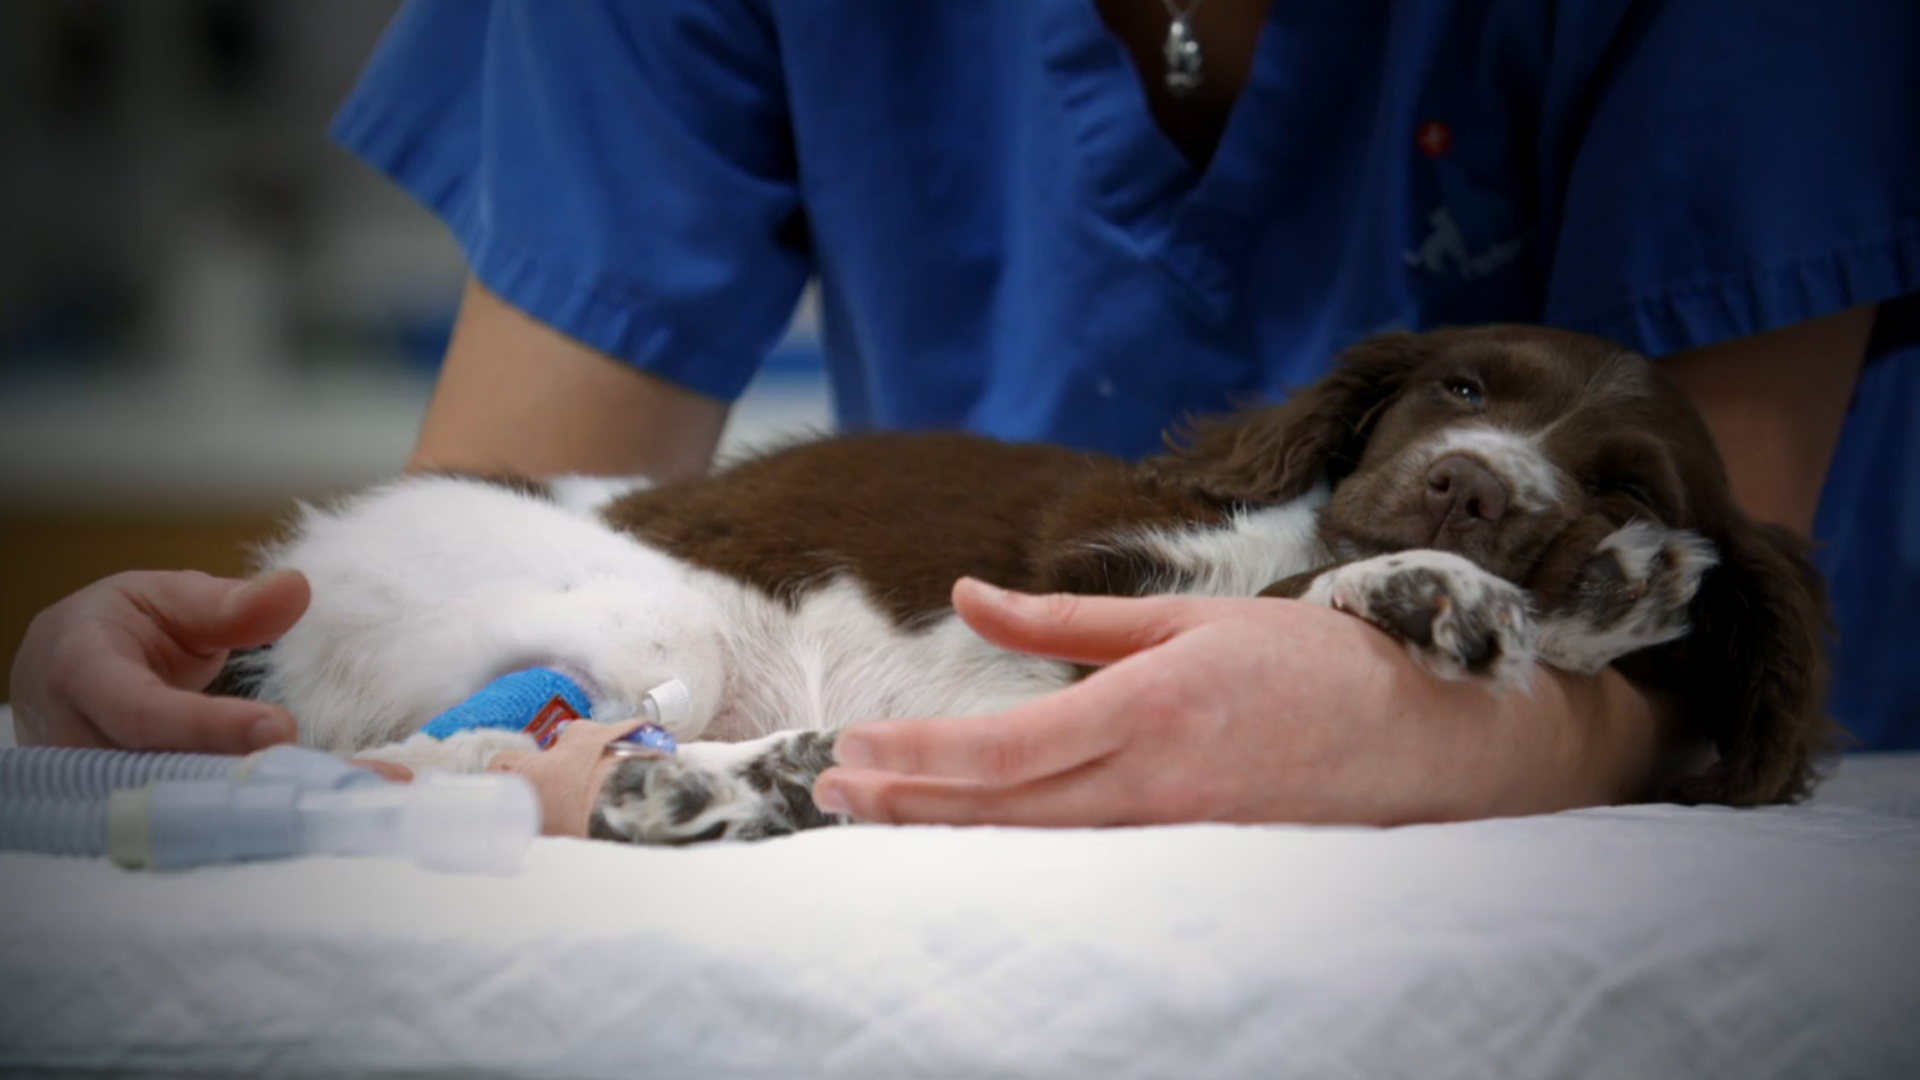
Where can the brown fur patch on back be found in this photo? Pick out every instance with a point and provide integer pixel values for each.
(514, 482)
(907, 515)
(1087, 545)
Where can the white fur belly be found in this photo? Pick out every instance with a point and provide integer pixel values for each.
(837, 659)
(426, 590)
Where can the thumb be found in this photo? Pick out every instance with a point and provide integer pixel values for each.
(206, 613)
(1064, 626)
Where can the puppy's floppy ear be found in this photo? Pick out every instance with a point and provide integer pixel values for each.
(1277, 453)
(1755, 670)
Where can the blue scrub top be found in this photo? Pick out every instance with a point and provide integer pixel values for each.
(1006, 242)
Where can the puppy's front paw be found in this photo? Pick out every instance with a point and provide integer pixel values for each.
(717, 791)
(1632, 594)
(1456, 619)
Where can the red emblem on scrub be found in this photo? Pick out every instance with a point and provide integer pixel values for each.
(1435, 139)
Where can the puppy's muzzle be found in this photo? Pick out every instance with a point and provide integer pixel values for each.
(1463, 495)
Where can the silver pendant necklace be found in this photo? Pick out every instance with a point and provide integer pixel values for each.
(1186, 64)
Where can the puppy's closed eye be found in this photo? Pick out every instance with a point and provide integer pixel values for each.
(1637, 472)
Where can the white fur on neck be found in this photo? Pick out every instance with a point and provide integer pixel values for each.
(1252, 550)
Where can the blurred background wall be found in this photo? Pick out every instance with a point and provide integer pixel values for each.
(206, 310)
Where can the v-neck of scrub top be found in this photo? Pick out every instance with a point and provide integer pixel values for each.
(1197, 224)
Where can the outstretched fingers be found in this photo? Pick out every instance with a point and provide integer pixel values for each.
(1064, 730)
(207, 614)
(1080, 797)
(1077, 629)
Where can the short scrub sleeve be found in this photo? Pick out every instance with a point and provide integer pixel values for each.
(623, 172)
(1728, 167)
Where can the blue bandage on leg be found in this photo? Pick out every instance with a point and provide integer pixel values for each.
(522, 701)
(538, 701)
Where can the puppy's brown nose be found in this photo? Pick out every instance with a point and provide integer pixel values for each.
(1461, 493)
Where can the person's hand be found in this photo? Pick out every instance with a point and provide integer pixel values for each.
(122, 663)
(1246, 710)
(568, 775)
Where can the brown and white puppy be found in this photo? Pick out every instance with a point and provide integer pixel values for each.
(1492, 497)
(1569, 466)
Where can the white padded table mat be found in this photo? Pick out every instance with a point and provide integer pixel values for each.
(1642, 942)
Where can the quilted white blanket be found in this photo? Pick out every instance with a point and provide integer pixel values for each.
(1649, 942)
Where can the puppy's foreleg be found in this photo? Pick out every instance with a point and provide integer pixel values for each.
(464, 752)
(1457, 620)
(1632, 594)
(717, 791)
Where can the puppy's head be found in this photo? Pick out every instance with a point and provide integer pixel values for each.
(1521, 449)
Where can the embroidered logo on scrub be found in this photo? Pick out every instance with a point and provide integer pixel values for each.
(1473, 232)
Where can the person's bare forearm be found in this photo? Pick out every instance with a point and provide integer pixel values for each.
(1611, 742)
(516, 395)
(1775, 404)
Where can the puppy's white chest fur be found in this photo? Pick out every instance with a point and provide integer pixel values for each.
(1254, 549)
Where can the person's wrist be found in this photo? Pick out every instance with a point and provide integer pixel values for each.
(1601, 738)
